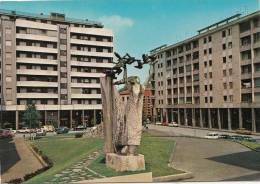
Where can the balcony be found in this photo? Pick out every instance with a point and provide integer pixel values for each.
(92, 31)
(36, 49)
(246, 75)
(37, 61)
(84, 74)
(245, 47)
(35, 25)
(89, 42)
(36, 84)
(87, 53)
(36, 95)
(36, 72)
(85, 85)
(86, 96)
(36, 37)
(91, 64)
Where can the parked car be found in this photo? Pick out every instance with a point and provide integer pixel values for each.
(212, 135)
(158, 123)
(243, 131)
(165, 123)
(6, 133)
(62, 130)
(48, 128)
(224, 136)
(249, 139)
(24, 130)
(40, 132)
(13, 131)
(173, 124)
(80, 128)
(236, 137)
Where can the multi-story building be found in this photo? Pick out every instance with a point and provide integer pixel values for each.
(55, 62)
(211, 80)
(147, 103)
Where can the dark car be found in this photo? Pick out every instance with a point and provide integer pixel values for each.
(249, 139)
(224, 136)
(62, 130)
(236, 138)
(6, 133)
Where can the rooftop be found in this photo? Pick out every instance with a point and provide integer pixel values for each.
(52, 16)
(209, 29)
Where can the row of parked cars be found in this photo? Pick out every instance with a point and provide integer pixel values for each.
(214, 135)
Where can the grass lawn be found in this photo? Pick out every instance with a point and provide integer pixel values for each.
(252, 145)
(156, 151)
(63, 151)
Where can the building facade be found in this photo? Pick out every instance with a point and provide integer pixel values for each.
(55, 62)
(211, 80)
(147, 104)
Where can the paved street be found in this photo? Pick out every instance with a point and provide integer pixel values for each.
(16, 159)
(213, 160)
(194, 132)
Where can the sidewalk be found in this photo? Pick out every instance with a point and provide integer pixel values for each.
(17, 159)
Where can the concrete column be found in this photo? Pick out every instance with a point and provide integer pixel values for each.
(185, 117)
(16, 120)
(240, 118)
(201, 118)
(58, 118)
(83, 118)
(229, 120)
(173, 116)
(209, 118)
(253, 120)
(179, 121)
(94, 117)
(71, 118)
(45, 117)
(219, 120)
(193, 117)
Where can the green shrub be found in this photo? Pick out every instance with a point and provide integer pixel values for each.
(78, 135)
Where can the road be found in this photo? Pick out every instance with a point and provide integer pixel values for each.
(16, 159)
(213, 160)
(194, 132)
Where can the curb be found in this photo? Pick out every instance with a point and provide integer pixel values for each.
(175, 177)
(248, 147)
(39, 158)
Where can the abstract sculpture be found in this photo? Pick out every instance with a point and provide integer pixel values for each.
(123, 123)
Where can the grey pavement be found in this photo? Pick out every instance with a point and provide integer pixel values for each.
(16, 159)
(213, 160)
(188, 131)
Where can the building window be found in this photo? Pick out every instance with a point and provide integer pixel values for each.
(209, 38)
(230, 45)
(230, 71)
(229, 31)
(225, 85)
(210, 62)
(224, 46)
(206, 88)
(231, 85)
(205, 63)
(210, 50)
(211, 99)
(223, 34)
(205, 51)
(205, 40)
(224, 59)
(224, 73)
(206, 99)
(225, 98)
(210, 87)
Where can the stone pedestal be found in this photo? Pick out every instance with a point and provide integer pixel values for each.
(125, 163)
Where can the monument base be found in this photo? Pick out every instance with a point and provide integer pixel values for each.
(125, 162)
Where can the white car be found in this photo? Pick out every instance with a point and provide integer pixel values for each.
(158, 123)
(173, 124)
(24, 130)
(212, 135)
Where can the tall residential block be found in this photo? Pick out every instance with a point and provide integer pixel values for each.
(55, 62)
(211, 80)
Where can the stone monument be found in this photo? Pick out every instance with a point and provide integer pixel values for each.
(123, 123)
